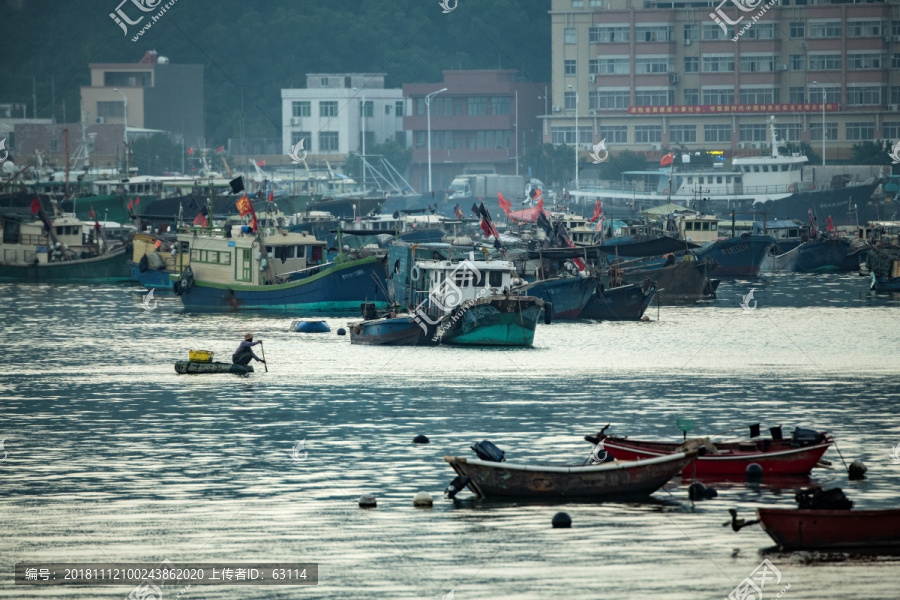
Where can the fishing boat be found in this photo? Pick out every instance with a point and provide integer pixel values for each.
(237, 269)
(737, 257)
(155, 258)
(776, 456)
(188, 367)
(679, 281)
(884, 268)
(611, 480)
(810, 529)
(564, 296)
(824, 255)
(621, 303)
(57, 249)
(391, 331)
(310, 326)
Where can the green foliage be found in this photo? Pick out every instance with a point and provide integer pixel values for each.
(553, 165)
(394, 153)
(872, 153)
(155, 155)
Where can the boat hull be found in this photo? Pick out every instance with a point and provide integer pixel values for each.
(685, 281)
(623, 303)
(337, 290)
(819, 256)
(590, 482)
(105, 268)
(398, 331)
(185, 367)
(567, 295)
(151, 278)
(738, 257)
(491, 321)
(803, 529)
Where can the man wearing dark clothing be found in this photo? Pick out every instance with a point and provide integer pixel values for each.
(243, 355)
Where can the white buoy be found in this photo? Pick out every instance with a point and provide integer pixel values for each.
(367, 501)
(423, 500)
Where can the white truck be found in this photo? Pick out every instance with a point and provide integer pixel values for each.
(465, 188)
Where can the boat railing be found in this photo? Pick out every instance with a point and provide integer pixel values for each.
(302, 273)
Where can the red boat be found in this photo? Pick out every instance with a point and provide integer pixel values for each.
(794, 456)
(800, 529)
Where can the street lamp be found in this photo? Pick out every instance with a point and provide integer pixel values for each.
(125, 134)
(362, 110)
(823, 120)
(428, 111)
(576, 136)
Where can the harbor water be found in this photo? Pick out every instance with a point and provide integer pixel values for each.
(110, 456)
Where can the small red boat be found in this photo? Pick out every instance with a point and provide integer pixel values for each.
(803, 529)
(794, 456)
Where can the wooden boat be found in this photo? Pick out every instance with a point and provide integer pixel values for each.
(390, 331)
(615, 479)
(622, 303)
(187, 367)
(565, 295)
(804, 529)
(728, 459)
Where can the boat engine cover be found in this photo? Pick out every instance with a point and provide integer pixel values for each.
(488, 451)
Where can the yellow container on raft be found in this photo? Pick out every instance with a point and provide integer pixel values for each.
(200, 356)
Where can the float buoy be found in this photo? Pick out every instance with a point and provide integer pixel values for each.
(416, 273)
(421, 439)
(561, 520)
(367, 501)
(754, 471)
(423, 500)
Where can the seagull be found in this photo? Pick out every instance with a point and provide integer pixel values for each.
(738, 524)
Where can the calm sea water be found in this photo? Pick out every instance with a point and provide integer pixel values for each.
(112, 457)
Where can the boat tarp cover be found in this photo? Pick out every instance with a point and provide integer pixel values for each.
(881, 261)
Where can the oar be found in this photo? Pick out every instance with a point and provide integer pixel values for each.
(263, 352)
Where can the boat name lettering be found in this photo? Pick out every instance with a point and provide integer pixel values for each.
(735, 249)
(355, 273)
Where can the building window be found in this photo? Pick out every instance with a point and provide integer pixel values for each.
(400, 138)
(895, 27)
(752, 133)
(111, 109)
(718, 63)
(569, 101)
(824, 29)
(717, 133)
(594, 66)
(127, 79)
(815, 132)
(569, 67)
(612, 100)
(825, 62)
(798, 29)
(609, 33)
(500, 105)
(864, 28)
(328, 141)
(477, 105)
(692, 97)
(296, 136)
(647, 134)
(301, 109)
(613, 66)
(895, 94)
(692, 32)
(654, 97)
(398, 108)
(328, 108)
(577, 3)
(712, 31)
(569, 35)
(421, 138)
(654, 33)
(614, 134)
(596, 3)
(789, 132)
(891, 130)
(652, 64)
(691, 64)
(757, 64)
(683, 134)
(797, 95)
(860, 131)
(323, 82)
(864, 95)
(861, 61)
(718, 96)
(562, 135)
(367, 109)
(759, 96)
(895, 61)
(761, 31)
(832, 94)
(798, 62)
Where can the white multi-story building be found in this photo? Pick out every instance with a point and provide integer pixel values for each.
(334, 110)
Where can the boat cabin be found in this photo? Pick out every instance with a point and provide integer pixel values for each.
(68, 238)
(699, 229)
(447, 284)
(885, 232)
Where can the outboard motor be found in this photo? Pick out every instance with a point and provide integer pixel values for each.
(488, 451)
(804, 437)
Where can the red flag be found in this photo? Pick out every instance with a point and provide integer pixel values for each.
(504, 203)
(261, 163)
(540, 204)
(220, 149)
(201, 220)
(244, 206)
(190, 151)
(96, 225)
(539, 196)
(35, 206)
(130, 205)
(598, 210)
(137, 200)
(485, 228)
(254, 224)
(271, 195)
(91, 214)
(668, 159)
(830, 224)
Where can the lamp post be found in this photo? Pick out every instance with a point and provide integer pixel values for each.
(823, 120)
(576, 136)
(362, 113)
(125, 133)
(428, 111)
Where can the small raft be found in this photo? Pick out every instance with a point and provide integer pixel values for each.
(197, 368)
(310, 326)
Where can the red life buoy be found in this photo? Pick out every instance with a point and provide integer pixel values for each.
(812, 186)
(666, 192)
(792, 188)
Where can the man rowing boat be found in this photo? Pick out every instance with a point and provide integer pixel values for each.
(243, 355)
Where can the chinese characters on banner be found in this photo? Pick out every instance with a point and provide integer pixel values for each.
(731, 108)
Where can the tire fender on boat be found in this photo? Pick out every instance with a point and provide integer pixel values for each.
(143, 264)
(812, 186)
(548, 312)
(416, 273)
(665, 192)
(792, 188)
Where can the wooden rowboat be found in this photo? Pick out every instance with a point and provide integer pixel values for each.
(616, 479)
(802, 529)
(197, 368)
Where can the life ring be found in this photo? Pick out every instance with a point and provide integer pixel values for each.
(416, 273)
(792, 188)
(812, 186)
(666, 192)
(143, 264)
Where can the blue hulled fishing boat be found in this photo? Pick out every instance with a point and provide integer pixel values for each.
(822, 255)
(564, 297)
(738, 257)
(621, 303)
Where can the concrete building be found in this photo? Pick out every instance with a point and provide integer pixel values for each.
(473, 125)
(334, 109)
(12, 116)
(159, 95)
(653, 75)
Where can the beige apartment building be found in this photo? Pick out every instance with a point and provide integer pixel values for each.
(649, 75)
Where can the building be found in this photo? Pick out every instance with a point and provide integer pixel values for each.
(155, 94)
(334, 109)
(655, 75)
(12, 116)
(473, 125)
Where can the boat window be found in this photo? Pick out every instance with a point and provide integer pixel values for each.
(713, 226)
(719, 179)
(706, 226)
(496, 278)
(794, 233)
(300, 252)
(59, 231)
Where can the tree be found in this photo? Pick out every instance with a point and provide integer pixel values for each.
(872, 153)
(155, 155)
(553, 165)
(398, 156)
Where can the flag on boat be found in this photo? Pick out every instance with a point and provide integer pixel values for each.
(598, 210)
(830, 226)
(261, 163)
(667, 160)
(220, 149)
(475, 210)
(190, 151)
(137, 200)
(201, 220)
(91, 214)
(486, 225)
(35, 205)
(244, 206)
(271, 195)
(130, 206)
(505, 205)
